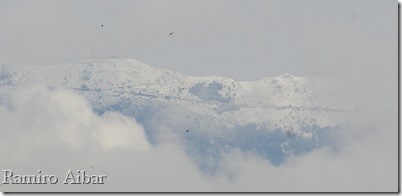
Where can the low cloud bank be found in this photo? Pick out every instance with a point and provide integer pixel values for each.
(55, 130)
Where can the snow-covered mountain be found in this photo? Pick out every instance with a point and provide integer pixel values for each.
(274, 116)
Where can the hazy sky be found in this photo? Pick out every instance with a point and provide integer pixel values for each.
(245, 40)
(353, 41)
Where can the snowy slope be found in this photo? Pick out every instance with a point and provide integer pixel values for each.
(271, 111)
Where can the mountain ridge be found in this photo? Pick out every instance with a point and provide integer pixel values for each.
(133, 77)
(216, 107)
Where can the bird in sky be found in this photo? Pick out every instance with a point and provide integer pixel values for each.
(101, 25)
(171, 33)
(187, 130)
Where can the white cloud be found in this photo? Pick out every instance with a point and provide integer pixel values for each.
(56, 130)
(67, 116)
(119, 131)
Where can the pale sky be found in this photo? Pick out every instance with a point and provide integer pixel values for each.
(245, 40)
(353, 41)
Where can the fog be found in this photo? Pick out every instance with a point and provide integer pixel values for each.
(351, 45)
(55, 131)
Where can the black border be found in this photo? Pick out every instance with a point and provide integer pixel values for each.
(235, 193)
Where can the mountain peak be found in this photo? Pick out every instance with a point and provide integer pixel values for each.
(286, 75)
(280, 109)
(234, 101)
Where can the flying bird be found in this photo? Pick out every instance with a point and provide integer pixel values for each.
(101, 25)
(171, 33)
(187, 130)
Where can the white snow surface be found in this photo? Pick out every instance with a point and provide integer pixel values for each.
(285, 102)
(208, 106)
